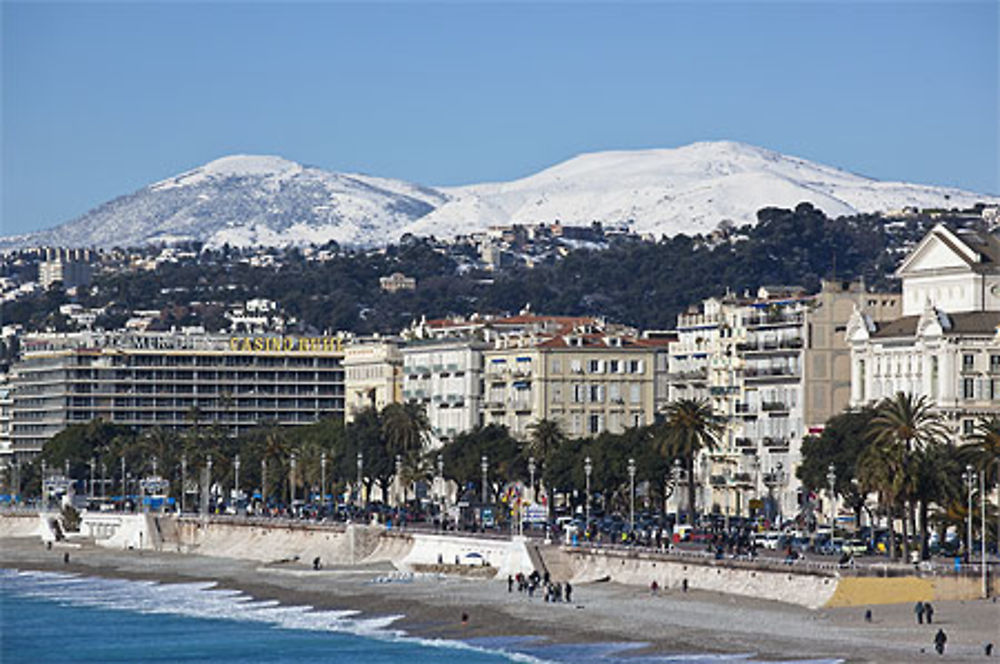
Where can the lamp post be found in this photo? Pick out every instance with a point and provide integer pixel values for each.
(291, 480)
(982, 531)
(675, 476)
(831, 481)
(531, 477)
(442, 492)
(45, 495)
(208, 484)
(399, 477)
(104, 474)
(263, 483)
(322, 479)
(184, 469)
(484, 465)
(361, 465)
(93, 462)
(587, 468)
(970, 480)
(124, 488)
(725, 485)
(631, 494)
(236, 480)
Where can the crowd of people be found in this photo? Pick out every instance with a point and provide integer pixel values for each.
(530, 584)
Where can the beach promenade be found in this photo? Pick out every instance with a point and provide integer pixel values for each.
(623, 608)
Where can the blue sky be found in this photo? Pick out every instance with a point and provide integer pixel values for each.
(101, 99)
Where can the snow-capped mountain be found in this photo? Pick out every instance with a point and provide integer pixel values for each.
(248, 200)
(683, 190)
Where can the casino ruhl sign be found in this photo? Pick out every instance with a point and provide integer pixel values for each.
(286, 344)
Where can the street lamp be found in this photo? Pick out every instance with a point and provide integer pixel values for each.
(970, 480)
(484, 465)
(441, 487)
(322, 479)
(236, 480)
(361, 465)
(124, 488)
(675, 476)
(587, 468)
(45, 495)
(831, 481)
(291, 481)
(631, 494)
(184, 470)
(725, 485)
(104, 473)
(263, 483)
(531, 476)
(208, 484)
(93, 462)
(399, 478)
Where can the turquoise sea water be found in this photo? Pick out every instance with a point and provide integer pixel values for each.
(51, 617)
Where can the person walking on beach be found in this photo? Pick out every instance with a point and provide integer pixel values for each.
(569, 592)
(510, 583)
(918, 609)
(929, 612)
(939, 640)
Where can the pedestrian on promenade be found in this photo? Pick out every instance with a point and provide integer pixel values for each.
(684, 585)
(918, 609)
(510, 583)
(868, 615)
(939, 640)
(569, 592)
(929, 612)
(654, 587)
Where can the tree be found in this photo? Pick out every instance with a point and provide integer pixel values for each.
(462, 457)
(404, 427)
(689, 427)
(843, 440)
(909, 423)
(545, 437)
(880, 469)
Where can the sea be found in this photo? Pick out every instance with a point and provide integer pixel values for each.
(55, 617)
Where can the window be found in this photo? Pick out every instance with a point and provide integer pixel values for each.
(613, 366)
(556, 365)
(635, 392)
(578, 392)
(995, 363)
(595, 366)
(576, 366)
(968, 362)
(557, 395)
(595, 424)
(968, 427)
(615, 392)
(597, 394)
(968, 388)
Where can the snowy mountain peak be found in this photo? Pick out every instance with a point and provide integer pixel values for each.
(260, 199)
(237, 165)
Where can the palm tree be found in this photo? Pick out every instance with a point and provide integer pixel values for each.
(909, 423)
(937, 470)
(879, 469)
(544, 437)
(405, 427)
(983, 452)
(690, 427)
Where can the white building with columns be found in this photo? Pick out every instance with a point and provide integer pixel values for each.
(946, 345)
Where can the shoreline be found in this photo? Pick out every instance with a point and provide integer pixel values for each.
(669, 623)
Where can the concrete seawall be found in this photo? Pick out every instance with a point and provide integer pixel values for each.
(588, 565)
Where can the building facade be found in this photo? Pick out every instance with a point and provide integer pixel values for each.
(588, 380)
(169, 380)
(946, 345)
(772, 367)
(373, 375)
(446, 376)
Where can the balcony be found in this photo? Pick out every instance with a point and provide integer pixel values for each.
(773, 319)
(745, 442)
(773, 406)
(742, 478)
(761, 373)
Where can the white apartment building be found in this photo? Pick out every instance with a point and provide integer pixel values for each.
(446, 376)
(947, 343)
(771, 367)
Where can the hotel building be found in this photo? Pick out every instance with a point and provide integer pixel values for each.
(145, 380)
